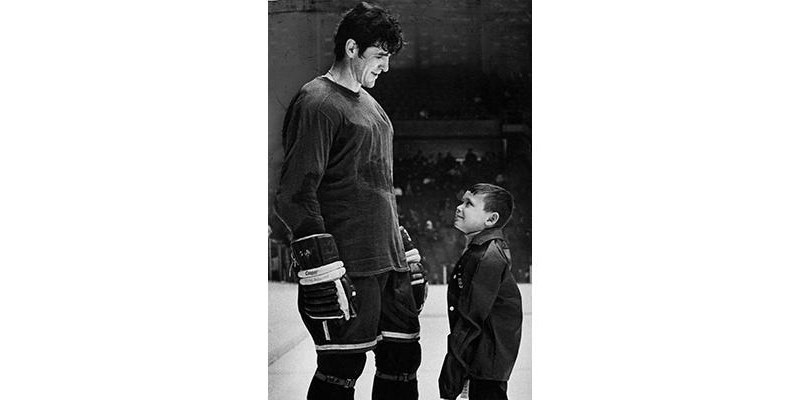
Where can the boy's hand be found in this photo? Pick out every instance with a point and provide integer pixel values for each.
(327, 292)
(419, 283)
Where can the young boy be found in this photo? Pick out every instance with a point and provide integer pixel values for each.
(484, 303)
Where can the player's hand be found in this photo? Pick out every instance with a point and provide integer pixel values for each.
(327, 292)
(419, 282)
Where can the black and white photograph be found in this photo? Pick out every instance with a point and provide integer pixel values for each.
(400, 170)
(397, 199)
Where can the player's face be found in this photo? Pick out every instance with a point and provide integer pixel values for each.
(370, 64)
(470, 215)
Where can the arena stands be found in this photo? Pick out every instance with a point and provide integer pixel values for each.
(446, 93)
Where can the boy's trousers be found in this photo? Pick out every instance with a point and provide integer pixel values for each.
(488, 390)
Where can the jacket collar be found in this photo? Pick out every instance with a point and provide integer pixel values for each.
(487, 235)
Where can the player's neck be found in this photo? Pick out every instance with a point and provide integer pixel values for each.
(342, 76)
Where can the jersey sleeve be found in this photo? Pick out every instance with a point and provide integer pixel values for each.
(307, 134)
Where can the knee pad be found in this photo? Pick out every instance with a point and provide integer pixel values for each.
(396, 370)
(340, 369)
(397, 358)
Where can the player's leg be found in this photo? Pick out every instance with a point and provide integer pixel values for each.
(336, 375)
(398, 354)
(341, 345)
(396, 370)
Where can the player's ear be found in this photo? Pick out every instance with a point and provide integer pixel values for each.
(351, 48)
(492, 220)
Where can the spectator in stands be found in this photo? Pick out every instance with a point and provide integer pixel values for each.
(470, 159)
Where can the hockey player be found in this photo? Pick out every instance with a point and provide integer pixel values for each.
(336, 197)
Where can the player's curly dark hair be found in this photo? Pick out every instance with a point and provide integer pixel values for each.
(368, 25)
(496, 199)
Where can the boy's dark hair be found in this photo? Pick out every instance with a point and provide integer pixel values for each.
(496, 199)
(368, 25)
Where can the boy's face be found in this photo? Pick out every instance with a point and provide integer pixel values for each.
(470, 215)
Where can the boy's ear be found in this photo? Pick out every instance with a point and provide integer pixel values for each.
(492, 220)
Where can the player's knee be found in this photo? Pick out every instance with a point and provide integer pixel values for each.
(342, 365)
(401, 357)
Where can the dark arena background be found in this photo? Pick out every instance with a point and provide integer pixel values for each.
(459, 96)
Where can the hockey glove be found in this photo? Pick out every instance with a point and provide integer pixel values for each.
(327, 292)
(419, 283)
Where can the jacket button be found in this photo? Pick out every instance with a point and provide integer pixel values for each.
(452, 308)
